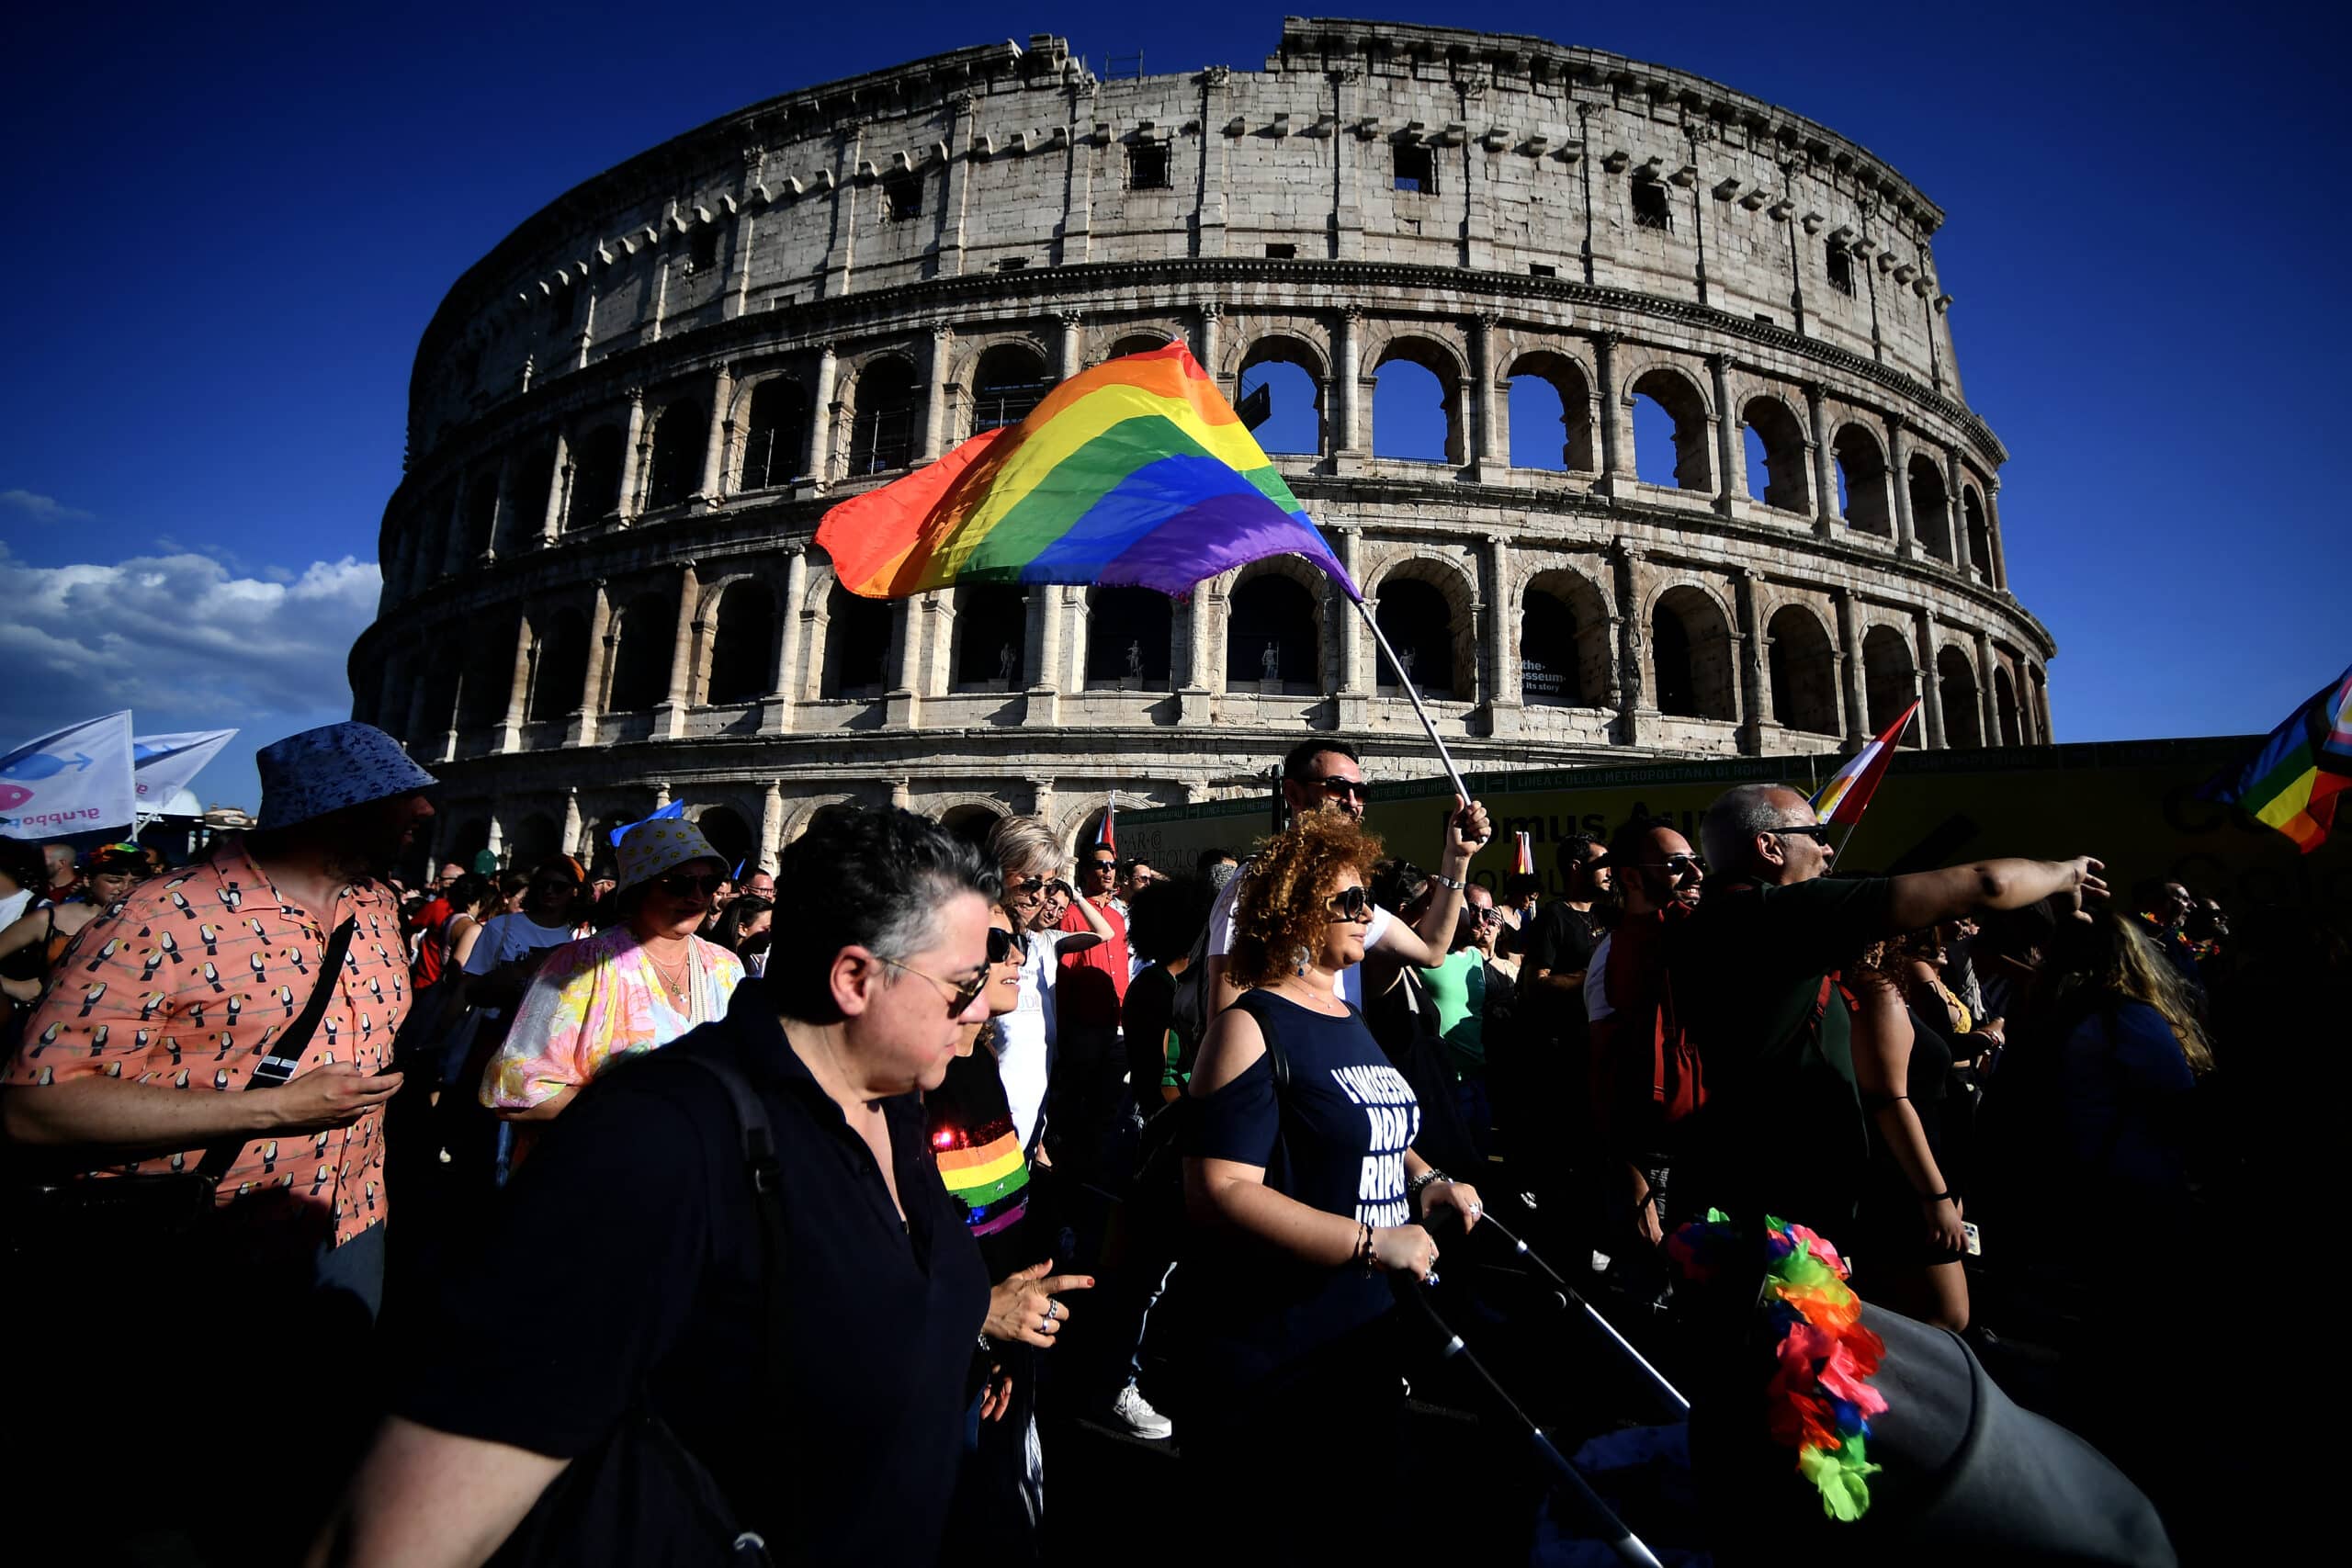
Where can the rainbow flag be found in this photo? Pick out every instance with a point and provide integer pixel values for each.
(1848, 793)
(1135, 472)
(2295, 778)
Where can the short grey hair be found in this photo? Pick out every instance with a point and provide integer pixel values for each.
(1741, 812)
(1024, 846)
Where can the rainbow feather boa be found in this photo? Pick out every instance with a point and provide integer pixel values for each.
(1820, 1395)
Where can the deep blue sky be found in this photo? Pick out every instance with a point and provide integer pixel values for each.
(233, 222)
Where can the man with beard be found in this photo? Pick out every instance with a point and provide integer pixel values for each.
(173, 1049)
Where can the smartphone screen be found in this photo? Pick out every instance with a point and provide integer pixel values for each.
(1975, 1247)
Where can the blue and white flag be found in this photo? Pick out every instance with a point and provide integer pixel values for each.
(163, 765)
(674, 809)
(76, 780)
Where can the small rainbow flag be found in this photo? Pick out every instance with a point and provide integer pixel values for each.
(2294, 781)
(1524, 866)
(1135, 472)
(1848, 793)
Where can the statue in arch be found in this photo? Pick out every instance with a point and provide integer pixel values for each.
(1134, 660)
(1269, 663)
(1005, 664)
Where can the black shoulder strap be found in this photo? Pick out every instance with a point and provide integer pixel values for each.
(765, 1173)
(285, 1051)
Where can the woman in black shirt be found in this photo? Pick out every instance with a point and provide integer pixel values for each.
(1302, 1181)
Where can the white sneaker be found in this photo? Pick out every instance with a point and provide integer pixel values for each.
(1130, 1410)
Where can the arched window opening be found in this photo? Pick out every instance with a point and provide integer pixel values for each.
(488, 683)
(1980, 535)
(482, 517)
(1861, 481)
(641, 660)
(678, 438)
(1956, 689)
(1416, 413)
(1562, 644)
(559, 666)
(1690, 652)
(430, 540)
(1281, 397)
(882, 434)
(730, 835)
(1010, 381)
(1804, 671)
(858, 645)
(1271, 637)
(1890, 680)
(2005, 706)
(970, 822)
(535, 839)
(1776, 456)
(1551, 416)
(1671, 432)
(1127, 633)
(743, 644)
(467, 842)
(440, 711)
(1138, 343)
(1930, 508)
(595, 477)
(526, 497)
(1418, 624)
(992, 632)
(776, 435)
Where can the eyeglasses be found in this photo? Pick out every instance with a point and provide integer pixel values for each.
(960, 994)
(1353, 789)
(1028, 886)
(1487, 917)
(1350, 904)
(1680, 865)
(1817, 832)
(681, 886)
(1004, 944)
(1109, 866)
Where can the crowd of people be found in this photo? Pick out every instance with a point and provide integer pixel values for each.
(813, 1225)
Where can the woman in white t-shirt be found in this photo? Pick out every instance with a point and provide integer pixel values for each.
(1032, 864)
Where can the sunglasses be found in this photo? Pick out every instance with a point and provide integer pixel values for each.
(1350, 904)
(1817, 832)
(1101, 866)
(1004, 944)
(1353, 789)
(960, 994)
(1680, 865)
(1028, 886)
(681, 886)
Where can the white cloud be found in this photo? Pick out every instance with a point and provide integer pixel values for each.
(41, 508)
(182, 641)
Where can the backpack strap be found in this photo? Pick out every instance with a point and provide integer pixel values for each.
(765, 1173)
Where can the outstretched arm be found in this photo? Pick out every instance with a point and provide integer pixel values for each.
(1925, 898)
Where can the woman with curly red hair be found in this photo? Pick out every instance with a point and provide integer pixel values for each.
(1300, 1168)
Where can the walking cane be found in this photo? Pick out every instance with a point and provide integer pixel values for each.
(1568, 1294)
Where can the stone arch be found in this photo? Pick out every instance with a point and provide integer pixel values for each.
(1564, 658)
(1287, 429)
(1129, 634)
(468, 836)
(595, 487)
(805, 812)
(559, 664)
(1956, 689)
(527, 494)
(645, 638)
(972, 818)
(776, 432)
(1535, 378)
(991, 638)
(852, 645)
(1692, 671)
(1780, 459)
(535, 837)
(1862, 478)
(742, 642)
(1688, 429)
(1009, 378)
(1406, 368)
(1890, 678)
(1801, 664)
(2005, 704)
(487, 684)
(673, 469)
(1930, 505)
(1428, 612)
(1142, 341)
(885, 399)
(1270, 611)
(728, 834)
(1980, 533)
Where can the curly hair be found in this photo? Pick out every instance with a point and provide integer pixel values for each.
(1280, 910)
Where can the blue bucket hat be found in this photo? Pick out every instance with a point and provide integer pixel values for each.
(307, 776)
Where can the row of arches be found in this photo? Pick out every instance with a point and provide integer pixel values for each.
(1562, 408)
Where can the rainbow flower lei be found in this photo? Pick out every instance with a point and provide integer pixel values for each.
(1820, 1395)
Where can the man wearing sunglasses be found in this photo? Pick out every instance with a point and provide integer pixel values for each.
(1783, 1131)
(1325, 774)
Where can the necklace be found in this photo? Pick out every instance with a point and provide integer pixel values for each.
(675, 984)
(1316, 1001)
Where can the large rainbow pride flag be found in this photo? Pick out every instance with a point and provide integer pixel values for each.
(2301, 772)
(1135, 472)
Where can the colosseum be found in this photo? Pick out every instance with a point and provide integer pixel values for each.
(1676, 462)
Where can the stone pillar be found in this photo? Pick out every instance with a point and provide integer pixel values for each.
(581, 730)
(1041, 798)
(660, 794)
(1347, 632)
(770, 827)
(1195, 697)
(569, 842)
(496, 843)
(1849, 661)
(632, 459)
(1931, 689)
(1627, 561)
(1614, 479)
(1989, 721)
(1955, 498)
(1731, 453)
(502, 509)
(558, 480)
(1492, 453)
(824, 414)
(1049, 616)
(1751, 661)
(1824, 463)
(1503, 702)
(1073, 346)
(510, 732)
(1993, 533)
(1205, 335)
(1907, 533)
(1348, 358)
(722, 430)
(782, 704)
(902, 702)
(669, 716)
(935, 392)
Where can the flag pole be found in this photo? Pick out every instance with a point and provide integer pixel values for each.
(1404, 679)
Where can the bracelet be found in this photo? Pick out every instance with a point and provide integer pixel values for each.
(1363, 1247)
(1444, 881)
(1944, 1197)
(1413, 1187)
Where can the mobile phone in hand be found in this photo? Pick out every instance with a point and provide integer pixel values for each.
(1975, 1246)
